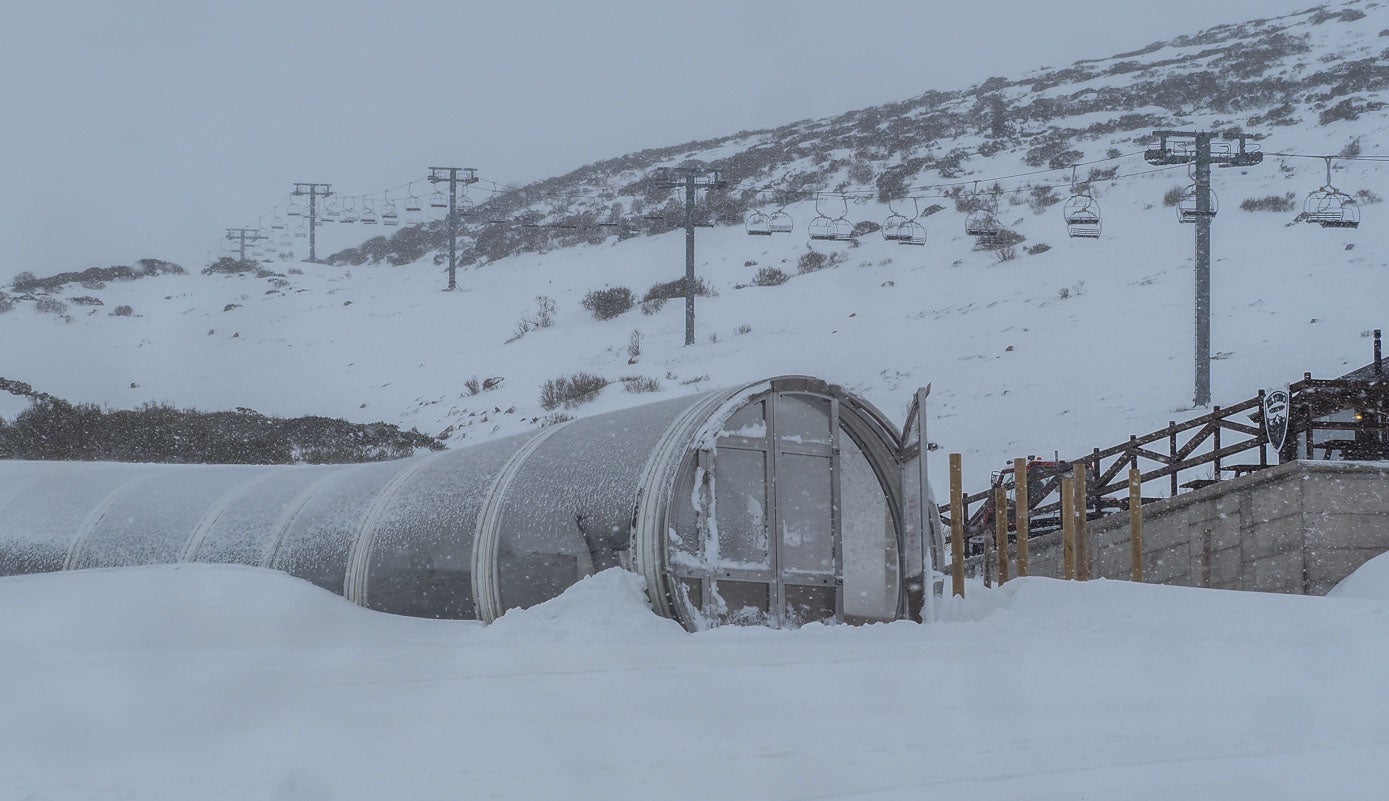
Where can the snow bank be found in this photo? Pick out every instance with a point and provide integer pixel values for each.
(1369, 582)
(183, 607)
(609, 605)
(210, 682)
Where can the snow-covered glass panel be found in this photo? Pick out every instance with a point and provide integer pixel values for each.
(809, 604)
(42, 519)
(871, 571)
(740, 516)
(805, 516)
(244, 533)
(152, 522)
(803, 419)
(568, 512)
(683, 537)
(315, 544)
(749, 421)
(742, 602)
(422, 555)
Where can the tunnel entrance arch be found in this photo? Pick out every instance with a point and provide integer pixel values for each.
(787, 514)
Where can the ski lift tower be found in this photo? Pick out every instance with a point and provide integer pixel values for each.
(1195, 149)
(241, 237)
(314, 192)
(690, 179)
(454, 177)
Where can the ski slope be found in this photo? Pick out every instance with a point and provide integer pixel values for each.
(212, 682)
(1016, 369)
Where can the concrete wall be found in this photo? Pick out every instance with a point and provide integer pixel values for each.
(1297, 528)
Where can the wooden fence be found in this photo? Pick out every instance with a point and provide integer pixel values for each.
(1212, 439)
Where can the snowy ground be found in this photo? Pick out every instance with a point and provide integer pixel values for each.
(234, 683)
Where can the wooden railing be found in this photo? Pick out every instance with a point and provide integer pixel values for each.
(1209, 439)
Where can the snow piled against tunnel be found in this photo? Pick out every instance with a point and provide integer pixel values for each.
(212, 682)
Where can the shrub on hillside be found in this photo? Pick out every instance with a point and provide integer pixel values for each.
(123, 311)
(770, 276)
(229, 266)
(811, 261)
(49, 305)
(570, 391)
(606, 304)
(669, 290)
(1269, 203)
(55, 429)
(1173, 196)
(1005, 239)
(639, 384)
(1040, 198)
(94, 277)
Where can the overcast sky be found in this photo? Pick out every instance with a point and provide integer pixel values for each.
(137, 129)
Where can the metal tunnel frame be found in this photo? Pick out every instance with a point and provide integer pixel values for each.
(778, 502)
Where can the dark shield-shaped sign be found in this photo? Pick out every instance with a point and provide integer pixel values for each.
(1276, 405)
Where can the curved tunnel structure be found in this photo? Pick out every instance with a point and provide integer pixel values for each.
(779, 503)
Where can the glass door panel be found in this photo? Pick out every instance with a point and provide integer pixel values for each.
(740, 516)
(869, 539)
(805, 516)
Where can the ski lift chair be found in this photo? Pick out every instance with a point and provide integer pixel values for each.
(843, 229)
(368, 215)
(389, 215)
(439, 200)
(981, 223)
(779, 222)
(1332, 208)
(1082, 215)
(758, 224)
(277, 223)
(1347, 217)
(1329, 207)
(349, 212)
(821, 228)
(911, 232)
(892, 226)
(294, 209)
(1187, 210)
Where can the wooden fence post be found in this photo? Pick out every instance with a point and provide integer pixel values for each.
(1172, 449)
(1136, 524)
(1081, 498)
(1024, 512)
(957, 527)
(1001, 531)
(1068, 529)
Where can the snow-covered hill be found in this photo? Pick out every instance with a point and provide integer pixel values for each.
(220, 682)
(1071, 348)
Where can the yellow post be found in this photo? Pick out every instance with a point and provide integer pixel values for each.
(1068, 529)
(1020, 502)
(1082, 526)
(957, 527)
(1136, 524)
(1001, 531)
